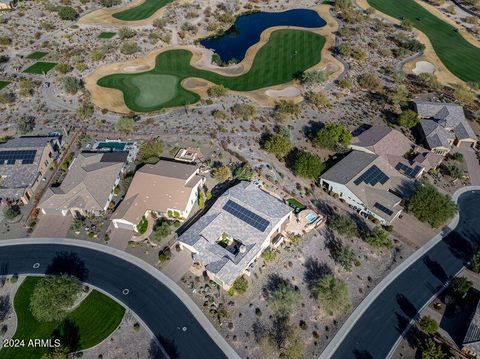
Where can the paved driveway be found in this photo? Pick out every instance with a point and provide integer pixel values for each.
(178, 265)
(52, 226)
(413, 232)
(473, 165)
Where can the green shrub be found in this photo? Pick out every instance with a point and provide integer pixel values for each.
(67, 13)
(142, 225)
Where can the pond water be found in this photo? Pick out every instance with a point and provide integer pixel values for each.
(234, 43)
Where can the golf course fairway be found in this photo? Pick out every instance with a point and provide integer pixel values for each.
(286, 54)
(142, 11)
(458, 55)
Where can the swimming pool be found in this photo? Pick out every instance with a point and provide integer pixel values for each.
(311, 218)
(119, 146)
(234, 43)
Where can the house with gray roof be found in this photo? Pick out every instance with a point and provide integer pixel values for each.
(24, 162)
(471, 341)
(444, 125)
(88, 185)
(370, 185)
(235, 231)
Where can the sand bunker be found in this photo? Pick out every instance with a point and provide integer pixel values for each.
(422, 67)
(286, 92)
(135, 68)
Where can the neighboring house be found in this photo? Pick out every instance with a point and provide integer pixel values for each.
(368, 183)
(235, 231)
(444, 125)
(24, 161)
(188, 155)
(7, 4)
(471, 342)
(164, 188)
(88, 185)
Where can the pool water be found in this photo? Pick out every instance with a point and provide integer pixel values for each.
(311, 218)
(246, 31)
(112, 145)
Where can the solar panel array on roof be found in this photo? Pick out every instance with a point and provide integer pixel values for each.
(372, 176)
(247, 216)
(407, 170)
(382, 208)
(10, 157)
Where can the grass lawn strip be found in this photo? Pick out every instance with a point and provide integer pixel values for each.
(280, 60)
(96, 317)
(3, 84)
(106, 35)
(37, 55)
(142, 11)
(40, 68)
(295, 204)
(457, 54)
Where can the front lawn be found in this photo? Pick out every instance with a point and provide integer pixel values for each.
(106, 35)
(93, 320)
(40, 68)
(3, 84)
(456, 53)
(280, 60)
(37, 55)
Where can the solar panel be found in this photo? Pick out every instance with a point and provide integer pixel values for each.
(245, 215)
(407, 170)
(383, 208)
(372, 176)
(10, 157)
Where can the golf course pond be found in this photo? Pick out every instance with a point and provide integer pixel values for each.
(232, 45)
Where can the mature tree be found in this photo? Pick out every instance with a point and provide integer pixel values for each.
(217, 91)
(25, 124)
(370, 81)
(429, 205)
(71, 84)
(431, 350)
(67, 13)
(345, 256)
(287, 107)
(12, 211)
(454, 171)
(305, 164)
(399, 96)
(428, 324)
(222, 173)
(240, 285)
(344, 225)
(314, 77)
(460, 286)
(245, 111)
(331, 135)
(475, 265)
(53, 296)
(151, 148)
(85, 110)
(378, 238)
(243, 172)
(408, 119)
(125, 125)
(332, 293)
(162, 230)
(282, 298)
(277, 145)
(319, 99)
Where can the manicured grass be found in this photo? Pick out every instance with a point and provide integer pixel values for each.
(40, 68)
(96, 318)
(287, 54)
(106, 35)
(296, 205)
(456, 53)
(142, 11)
(3, 84)
(37, 55)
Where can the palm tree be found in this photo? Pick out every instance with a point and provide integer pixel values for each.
(332, 293)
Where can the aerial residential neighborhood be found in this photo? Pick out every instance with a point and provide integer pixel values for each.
(240, 179)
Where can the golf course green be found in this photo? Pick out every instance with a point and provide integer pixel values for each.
(95, 318)
(287, 54)
(457, 54)
(142, 11)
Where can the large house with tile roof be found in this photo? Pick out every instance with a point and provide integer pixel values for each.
(239, 226)
(370, 184)
(24, 162)
(444, 125)
(88, 185)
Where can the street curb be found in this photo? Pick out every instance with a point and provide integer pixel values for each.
(379, 288)
(162, 278)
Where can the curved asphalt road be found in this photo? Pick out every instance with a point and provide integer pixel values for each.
(160, 309)
(377, 331)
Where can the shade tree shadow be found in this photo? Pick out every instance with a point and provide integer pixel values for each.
(69, 334)
(4, 306)
(68, 263)
(314, 270)
(154, 351)
(169, 346)
(406, 306)
(362, 354)
(436, 269)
